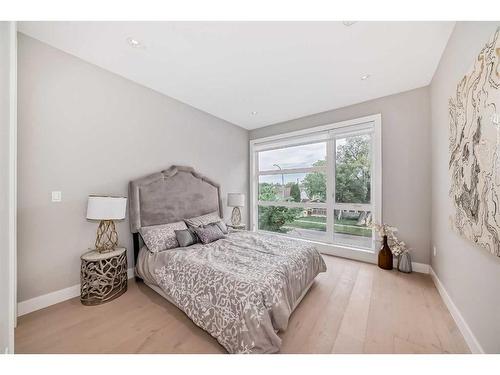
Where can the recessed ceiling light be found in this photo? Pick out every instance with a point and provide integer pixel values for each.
(253, 113)
(365, 77)
(134, 43)
(349, 23)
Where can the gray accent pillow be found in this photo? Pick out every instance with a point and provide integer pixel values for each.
(209, 233)
(161, 237)
(203, 220)
(222, 226)
(186, 237)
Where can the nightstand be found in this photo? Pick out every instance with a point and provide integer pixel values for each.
(237, 227)
(103, 276)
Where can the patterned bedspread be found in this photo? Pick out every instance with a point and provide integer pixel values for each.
(241, 289)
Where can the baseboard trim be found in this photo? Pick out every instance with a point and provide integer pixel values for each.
(420, 267)
(46, 300)
(416, 267)
(462, 325)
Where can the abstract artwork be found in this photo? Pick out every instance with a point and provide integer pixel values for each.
(474, 163)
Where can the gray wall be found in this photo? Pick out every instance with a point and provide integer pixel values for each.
(85, 130)
(470, 274)
(405, 159)
(4, 186)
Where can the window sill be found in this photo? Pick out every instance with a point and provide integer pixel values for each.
(343, 251)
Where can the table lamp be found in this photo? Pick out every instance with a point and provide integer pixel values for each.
(236, 200)
(106, 209)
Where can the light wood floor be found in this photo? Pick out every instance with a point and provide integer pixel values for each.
(352, 308)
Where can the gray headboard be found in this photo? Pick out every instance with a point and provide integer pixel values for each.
(168, 196)
(172, 195)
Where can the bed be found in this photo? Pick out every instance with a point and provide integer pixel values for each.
(242, 288)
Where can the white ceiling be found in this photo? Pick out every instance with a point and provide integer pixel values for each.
(281, 70)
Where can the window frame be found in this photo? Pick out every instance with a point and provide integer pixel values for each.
(324, 133)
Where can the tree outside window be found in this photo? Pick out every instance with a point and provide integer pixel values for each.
(352, 185)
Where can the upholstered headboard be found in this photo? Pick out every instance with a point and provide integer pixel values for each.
(168, 196)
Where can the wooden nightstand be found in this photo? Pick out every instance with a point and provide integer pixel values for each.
(237, 227)
(103, 276)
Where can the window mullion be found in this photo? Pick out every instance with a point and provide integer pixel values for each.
(291, 171)
(373, 193)
(330, 188)
(292, 204)
(255, 193)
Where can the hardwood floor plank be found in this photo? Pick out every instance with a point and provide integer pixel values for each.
(352, 308)
(447, 332)
(413, 319)
(326, 325)
(300, 325)
(402, 346)
(382, 312)
(352, 331)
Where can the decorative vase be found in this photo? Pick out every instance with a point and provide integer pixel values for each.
(404, 262)
(385, 256)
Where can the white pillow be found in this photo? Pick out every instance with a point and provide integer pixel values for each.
(161, 237)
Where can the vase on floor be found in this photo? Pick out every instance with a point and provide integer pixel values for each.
(404, 262)
(385, 256)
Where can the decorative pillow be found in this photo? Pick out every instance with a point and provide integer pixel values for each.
(209, 233)
(161, 237)
(186, 237)
(222, 226)
(203, 220)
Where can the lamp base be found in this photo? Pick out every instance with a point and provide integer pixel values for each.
(236, 216)
(107, 238)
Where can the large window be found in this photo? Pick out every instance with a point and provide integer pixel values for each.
(322, 185)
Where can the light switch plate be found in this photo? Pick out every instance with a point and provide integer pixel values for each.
(56, 196)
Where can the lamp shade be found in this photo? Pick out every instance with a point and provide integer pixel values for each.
(100, 207)
(235, 200)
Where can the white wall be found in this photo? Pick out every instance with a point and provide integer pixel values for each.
(469, 274)
(6, 223)
(405, 159)
(85, 130)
